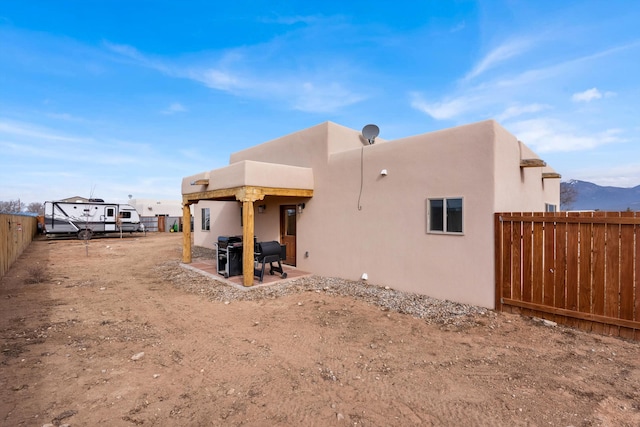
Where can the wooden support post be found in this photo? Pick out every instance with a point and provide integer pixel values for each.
(186, 234)
(247, 241)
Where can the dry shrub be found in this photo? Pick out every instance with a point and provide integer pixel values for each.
(36, 274)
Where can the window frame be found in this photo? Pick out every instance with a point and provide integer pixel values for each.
(206, 219)
(445, 216)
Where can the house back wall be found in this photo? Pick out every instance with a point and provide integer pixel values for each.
(382, 231)
(359, 221)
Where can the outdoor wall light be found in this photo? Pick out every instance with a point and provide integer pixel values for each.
(383, 172)
(301, 207)
(262, 208)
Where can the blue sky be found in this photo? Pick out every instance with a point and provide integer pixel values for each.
(111, 98)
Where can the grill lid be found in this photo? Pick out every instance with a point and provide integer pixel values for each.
(269, 248)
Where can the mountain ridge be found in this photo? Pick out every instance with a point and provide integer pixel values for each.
(590, 196)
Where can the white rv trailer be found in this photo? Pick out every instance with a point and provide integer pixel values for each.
(84, 219)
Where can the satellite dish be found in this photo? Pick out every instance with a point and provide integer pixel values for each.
(370, 132)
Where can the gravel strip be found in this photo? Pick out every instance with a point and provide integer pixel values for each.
(432, 310)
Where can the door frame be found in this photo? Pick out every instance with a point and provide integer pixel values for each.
(110, 220)
(287, 239)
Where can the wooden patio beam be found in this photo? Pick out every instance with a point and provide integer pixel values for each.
(231, 193)
(550, 175)
(532, 163)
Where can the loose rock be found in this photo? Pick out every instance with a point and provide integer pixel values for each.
(430, 309)
(138, 356)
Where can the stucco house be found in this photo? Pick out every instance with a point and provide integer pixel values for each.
(414, 213)
(160, 214)
(157, 207)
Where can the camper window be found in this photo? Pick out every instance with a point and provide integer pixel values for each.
(125, 214)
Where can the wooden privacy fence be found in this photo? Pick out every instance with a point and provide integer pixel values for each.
(16, 232)
(581, 269)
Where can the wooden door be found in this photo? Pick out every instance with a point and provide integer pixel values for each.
(288, 232)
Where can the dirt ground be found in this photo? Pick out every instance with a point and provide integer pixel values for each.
(70, 343)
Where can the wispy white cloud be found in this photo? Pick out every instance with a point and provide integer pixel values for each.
(324, 97)
(65, 117)
(40, 145)
(562, 68)
(81, 156)
(31, 131)
(459, 27)
(518, 110)
(517, 46)
(174, 108)
(315, 94)
(442, 110)
(617, 176)
(319, 90)
(136, 56)
(217, 79)
(590, 94)
(587, 96)
(124, 50)
(291, 20)
(509, 95)
(547, 135)
(37, 142)
(502, 53)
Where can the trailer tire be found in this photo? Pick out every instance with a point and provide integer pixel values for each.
(84, 234)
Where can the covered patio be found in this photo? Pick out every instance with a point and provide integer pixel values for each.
(245, 182)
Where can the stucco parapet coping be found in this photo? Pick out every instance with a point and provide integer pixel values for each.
(248, 173)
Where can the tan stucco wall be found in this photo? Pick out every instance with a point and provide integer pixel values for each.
(306, 148)
(386, 238)
(250, 173)
(225, 221)
(520, 189)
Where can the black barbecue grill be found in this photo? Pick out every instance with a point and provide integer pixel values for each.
(225, 241)
(229, 255)
(268, 253)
